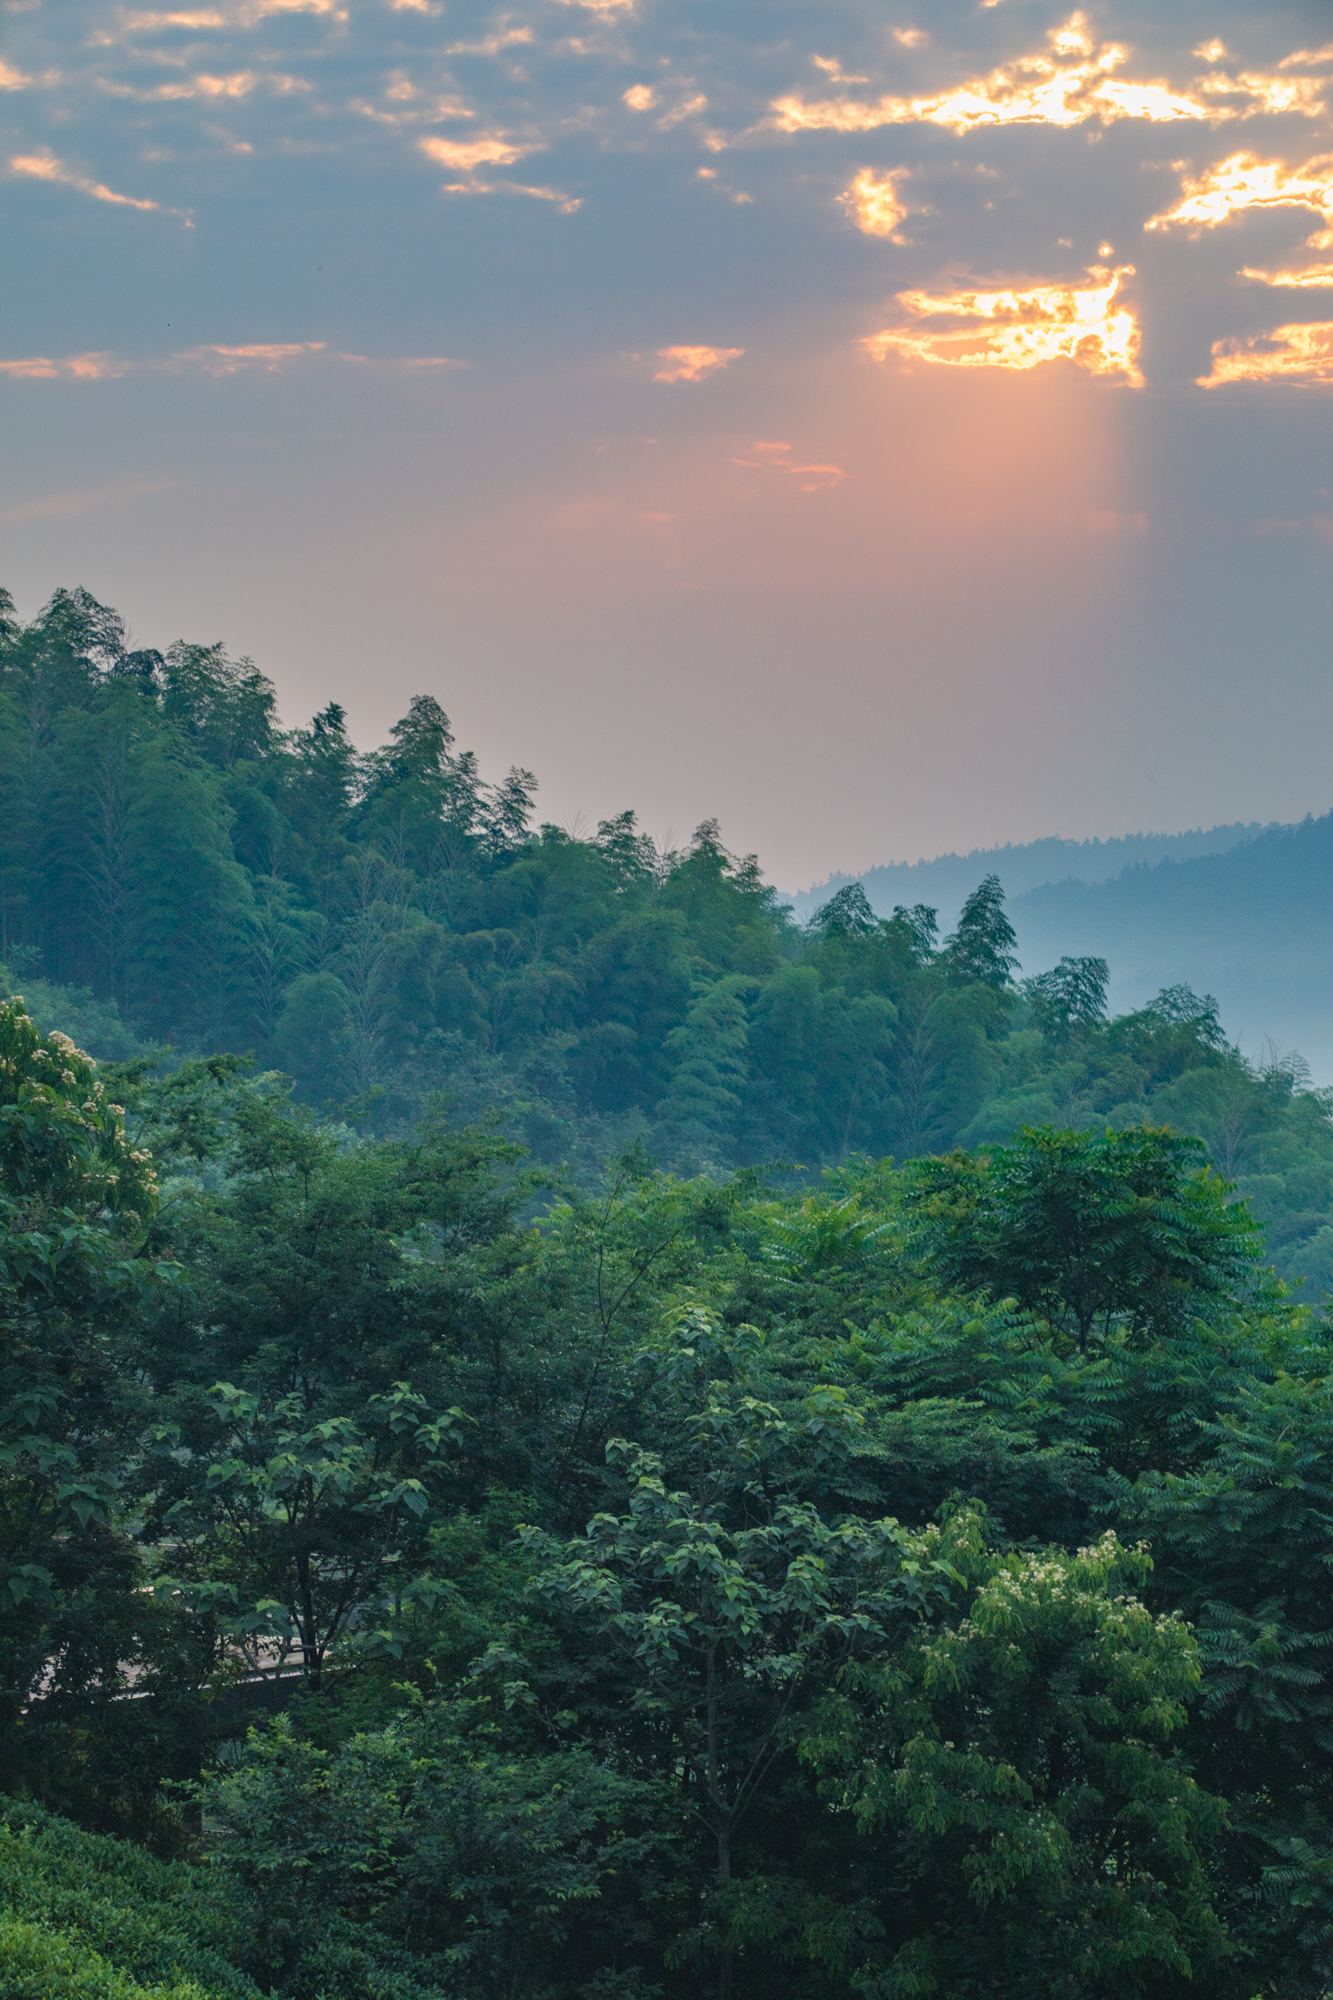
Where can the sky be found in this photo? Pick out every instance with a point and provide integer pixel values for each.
(887, 428)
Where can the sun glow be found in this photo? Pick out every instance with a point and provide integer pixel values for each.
(1069, 83)
(1083, 324)
(1297, 354)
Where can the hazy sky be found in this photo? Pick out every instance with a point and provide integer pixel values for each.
(886, 430)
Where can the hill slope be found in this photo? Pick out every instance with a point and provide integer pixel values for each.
(1253, 926)
(947, 879)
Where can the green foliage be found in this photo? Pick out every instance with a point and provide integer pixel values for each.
(982, 948)
(719, 1628)
(390, 930)
(1018, 1760)
(76, 1201)
(629, 1570)
(1124, 1231)
(1071, 996)
(87, 1918)
(454, 1867)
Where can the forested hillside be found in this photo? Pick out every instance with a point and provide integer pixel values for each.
(1241, 912)
(387, 928)
(919, 1587)
(566, 1437)
(391, 927)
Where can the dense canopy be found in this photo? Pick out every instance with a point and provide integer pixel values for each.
(509, 1492)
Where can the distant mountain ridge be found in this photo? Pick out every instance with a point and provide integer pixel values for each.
(947, 879)
(1244, 912)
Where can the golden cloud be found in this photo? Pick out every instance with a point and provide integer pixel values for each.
(874, 203)
(247, 14)
(267, 356)
(1315, 277)
(71, 368)
(808, 478)
(692, 364)
(44, 166)
(1083, 324)
(492, 149)
(1072, 81)
(566, 203)
(463, 155)
(1273, 94)
(1298, 354)
(262, 357)
(689, 107)
(211, 88)
(1245, 182)
(491, 45)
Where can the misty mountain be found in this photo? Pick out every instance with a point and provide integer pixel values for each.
(1244, 912)
(1253, 926)
(946, 880)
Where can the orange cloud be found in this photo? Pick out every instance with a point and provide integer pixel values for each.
(491, 45)
(248, 14)
(692, 364)
(1261, 93)
(1071, 82)
(833, 69)
(1313, 276)
(238, 85)
(148, 24)
(689, 107)
(1082, 324)
(492, 149)
(1068, 84)
(402, 361)
(874, 203)
(463, 155)
(1299, 354)
(1245, 182)
(809, 478)
(44, 166)
(566, 203)
(72, 368)
(265, 355)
